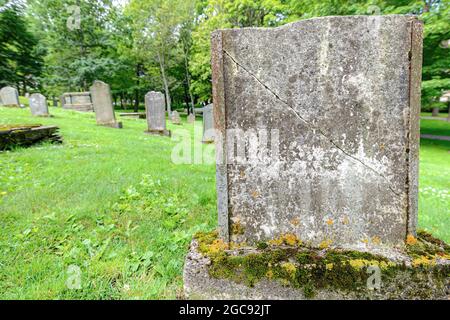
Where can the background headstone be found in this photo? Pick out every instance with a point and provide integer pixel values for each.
(38, 105)
(9, 97)
(340, 98)
(176, 119)
(103, 107)
(79, 101)
(156, 113)
(208, 124)
(191, 118)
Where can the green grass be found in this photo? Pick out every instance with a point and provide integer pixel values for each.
(436, 127)
(442, 114)
(109, 201)
(112, 203)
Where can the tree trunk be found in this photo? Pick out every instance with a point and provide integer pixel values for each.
(188, 81)
(136, 91)
(435, 112)
(165, 83)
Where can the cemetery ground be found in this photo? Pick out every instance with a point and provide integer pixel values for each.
(112, 203)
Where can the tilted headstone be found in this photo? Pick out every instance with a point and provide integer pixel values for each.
(103, 107)
(191, 118)
(334, 103)
(208, 124)
(156, 113)
(9, 97)
(38, 105)
(176, 119)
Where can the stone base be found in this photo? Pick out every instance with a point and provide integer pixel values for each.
(167, 133)
(398, 284)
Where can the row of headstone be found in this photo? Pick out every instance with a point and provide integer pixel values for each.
(100, 100)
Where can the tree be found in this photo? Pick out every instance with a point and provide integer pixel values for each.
(20, 61)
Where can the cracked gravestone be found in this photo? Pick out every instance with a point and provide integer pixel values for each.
(208, 124)
(317, 137)
(102, 103)
(9, 97)
(319, 130)
(156, 113)
(38, 105)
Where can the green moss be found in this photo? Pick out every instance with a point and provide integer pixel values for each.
(310, 269)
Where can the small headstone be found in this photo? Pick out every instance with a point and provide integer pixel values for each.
(55, 102)
(103, 107)
(176, 119)
(191, 118)
(208, 124)
(9, 97)
(156, 113)
(38, 105)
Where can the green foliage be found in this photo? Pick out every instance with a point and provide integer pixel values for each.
(20, 61)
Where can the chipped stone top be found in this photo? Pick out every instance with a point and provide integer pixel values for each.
(340, 98)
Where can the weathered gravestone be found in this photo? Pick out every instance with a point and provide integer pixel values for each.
(208, 124)
(156, 113)
(176, 119)
(79, 101)
(317, 148)
(9, 97)
(103, 107)
(38, 105)
(191, 118)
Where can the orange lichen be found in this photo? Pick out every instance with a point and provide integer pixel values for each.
(410, 240)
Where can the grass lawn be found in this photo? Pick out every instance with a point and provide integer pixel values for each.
(436, 127)
(112, 203)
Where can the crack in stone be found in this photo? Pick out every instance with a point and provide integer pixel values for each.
(308, 124)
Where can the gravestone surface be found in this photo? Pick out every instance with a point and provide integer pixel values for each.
(176, 119)
(9, 97)
(38, 105)
(208, 124)
(191, 118)
(156, 113)
(103, 107)
(335, 104)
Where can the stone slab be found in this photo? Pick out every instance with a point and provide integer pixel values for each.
(340, 99)
(200, 285)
